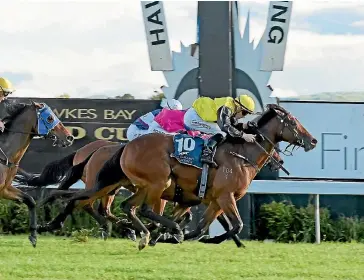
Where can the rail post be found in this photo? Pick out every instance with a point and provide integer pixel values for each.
(317, 219)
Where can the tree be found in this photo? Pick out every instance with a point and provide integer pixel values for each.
(157, 96)
(64, 95)
(125, 96)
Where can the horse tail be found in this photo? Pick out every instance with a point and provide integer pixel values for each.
(72, 176)
(51, 174)
(110, 173)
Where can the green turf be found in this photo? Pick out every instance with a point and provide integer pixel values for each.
(62, 258)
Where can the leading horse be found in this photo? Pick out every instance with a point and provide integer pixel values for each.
(84, 164)
(23, 123)
(151, 169)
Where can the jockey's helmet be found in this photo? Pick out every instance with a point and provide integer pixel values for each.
(246, 103)
(6, 87)
(171, 104)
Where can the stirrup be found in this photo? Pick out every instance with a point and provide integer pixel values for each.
(209, 159)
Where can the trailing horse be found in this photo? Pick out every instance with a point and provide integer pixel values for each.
(157, 166)
(23, 123)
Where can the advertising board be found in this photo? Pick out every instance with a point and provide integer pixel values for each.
(88, 120)
(339, 128)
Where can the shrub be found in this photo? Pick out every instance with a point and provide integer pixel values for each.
(284, 222)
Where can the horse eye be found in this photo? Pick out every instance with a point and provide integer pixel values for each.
(50, 119)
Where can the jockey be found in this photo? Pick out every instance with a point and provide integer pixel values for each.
(218, 116)
(169, 120)
(6, 88)
(141, 125)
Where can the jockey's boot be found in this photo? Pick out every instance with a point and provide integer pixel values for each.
(210, 149)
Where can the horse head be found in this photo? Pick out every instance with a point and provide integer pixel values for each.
(281, 125)
(48, 125)
(41, 121)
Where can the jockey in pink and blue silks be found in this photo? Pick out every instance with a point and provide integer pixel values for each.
(141, 126)
(171, 121)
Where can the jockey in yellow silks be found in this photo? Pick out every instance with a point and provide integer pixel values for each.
(217, 117)
(6, 88)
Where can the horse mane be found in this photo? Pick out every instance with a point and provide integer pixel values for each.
(13, 110)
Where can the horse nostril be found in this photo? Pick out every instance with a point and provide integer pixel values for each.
(70, 138)
(313, 141)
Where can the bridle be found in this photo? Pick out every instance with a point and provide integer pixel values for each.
(288, 121)
(47, 121)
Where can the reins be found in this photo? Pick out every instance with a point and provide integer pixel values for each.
(254, 126)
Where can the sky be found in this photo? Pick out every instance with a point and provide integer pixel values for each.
(93, 48)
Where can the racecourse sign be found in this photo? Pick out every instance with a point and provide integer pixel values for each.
(275, 36)
(338, 127)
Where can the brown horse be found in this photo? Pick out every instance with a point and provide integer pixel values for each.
(87, 171)
(154, 174)
(23, 123)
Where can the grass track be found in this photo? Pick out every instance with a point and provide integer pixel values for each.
(62, 258)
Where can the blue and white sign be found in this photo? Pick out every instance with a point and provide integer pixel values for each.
(339, 129)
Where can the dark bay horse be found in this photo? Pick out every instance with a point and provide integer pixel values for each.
(153, 174)
(24, 121)
(87, 171)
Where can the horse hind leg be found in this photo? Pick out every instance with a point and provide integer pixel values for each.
(79, 199)
(123, 224)
(128, 206)
(17, 195)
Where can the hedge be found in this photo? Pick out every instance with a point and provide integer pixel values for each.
(14, 218)
(280, 221)
(283, 222)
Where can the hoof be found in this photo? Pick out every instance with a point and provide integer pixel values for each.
(104, 235)
(174, 239)
(179, 237)
(144, 241)
(130, 234)
(33, 240)
(41, 229)
(205, 239)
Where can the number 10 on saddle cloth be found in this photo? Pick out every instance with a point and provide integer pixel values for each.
(188, 149)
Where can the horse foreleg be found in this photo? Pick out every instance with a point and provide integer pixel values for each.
(17, 195)
(223, 220)
(211, 213)
(99, 218)
(178, 213)
(57, 222)
(228, 205)
(153, 195)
